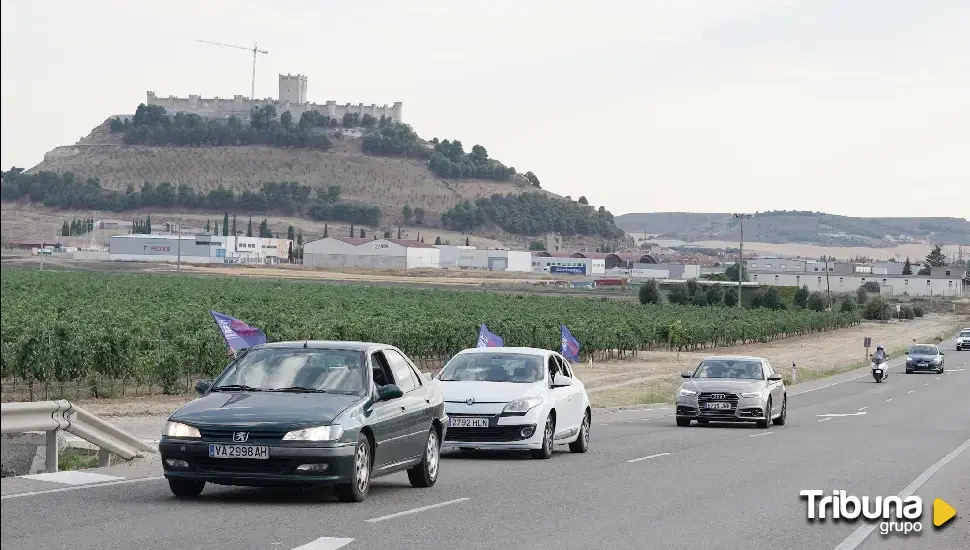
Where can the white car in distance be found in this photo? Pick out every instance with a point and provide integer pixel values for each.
(514, 398)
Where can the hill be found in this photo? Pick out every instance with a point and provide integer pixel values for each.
(357, 170)
(799, 227)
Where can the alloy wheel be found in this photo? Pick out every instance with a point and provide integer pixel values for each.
(432, 454)
(362, 465)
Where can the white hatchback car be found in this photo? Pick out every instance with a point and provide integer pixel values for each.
(514, 398)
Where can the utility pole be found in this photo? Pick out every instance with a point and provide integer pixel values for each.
(255, 49)
(741, 218)
(178, 246)
(828, 287)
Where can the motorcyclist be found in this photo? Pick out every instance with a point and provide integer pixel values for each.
(880, 356)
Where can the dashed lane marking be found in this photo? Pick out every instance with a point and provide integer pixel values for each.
(78, 487)
(761, 434)
(647, 457)
(416, 510)
(325, 543)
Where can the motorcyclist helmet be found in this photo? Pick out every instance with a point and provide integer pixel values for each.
(879, 347)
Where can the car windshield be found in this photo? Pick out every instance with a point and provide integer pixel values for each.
(923, 350)
(493, 367)
(275, 369)
(730, 368)
(965, 334)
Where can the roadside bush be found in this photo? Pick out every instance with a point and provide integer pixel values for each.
(917, 311)
(650, 293)
(906, 312)
(715, 295)
(877, 309)
(872, 287)
(816, 301)
(861, 296)
(802, 296)
(768, 298)
(699, 299)
(731, 297)
(679, 295)
(848, 306)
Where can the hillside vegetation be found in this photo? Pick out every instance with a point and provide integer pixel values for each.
(273, 164)
(799, 227)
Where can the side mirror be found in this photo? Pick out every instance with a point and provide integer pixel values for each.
(560, 381)
(389, 392)
(941, 352)
(202, 386)
(686, 374)
(774, 378)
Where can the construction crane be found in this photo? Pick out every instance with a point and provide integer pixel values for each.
(255, 49)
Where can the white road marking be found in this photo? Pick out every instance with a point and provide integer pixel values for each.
(325, 543)
(646, 457)
(860, 534)
(76, 487)
(863, 408)
(910, 391)
(824, 419)
(926, 384)
(840, 382)
(761, 434)
(888, 400)
(73, 477)
(860, 413)
(416, 510)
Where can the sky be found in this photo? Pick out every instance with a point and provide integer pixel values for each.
(854, 107)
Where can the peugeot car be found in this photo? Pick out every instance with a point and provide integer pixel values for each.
(732, 389)
(305, 414)
(924, 357)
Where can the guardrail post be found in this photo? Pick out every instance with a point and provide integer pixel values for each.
(794, 374)
(51, 462)
(104, 457)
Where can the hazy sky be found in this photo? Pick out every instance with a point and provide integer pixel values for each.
(858, 107)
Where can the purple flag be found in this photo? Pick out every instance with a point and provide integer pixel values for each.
(570, 345)
(488, 339)
(238, 334)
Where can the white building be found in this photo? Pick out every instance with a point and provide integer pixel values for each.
(203, 249)
(371, 253)
(494, 260)
(449, 254)
(665, 271)
(937, 284)
(567, 264)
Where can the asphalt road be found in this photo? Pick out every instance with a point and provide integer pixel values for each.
(645, 483)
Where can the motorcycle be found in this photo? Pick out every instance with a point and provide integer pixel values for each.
(880, 370)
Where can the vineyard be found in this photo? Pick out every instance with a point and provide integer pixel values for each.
(115, 334)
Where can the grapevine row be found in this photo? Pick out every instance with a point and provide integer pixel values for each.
(69, 326)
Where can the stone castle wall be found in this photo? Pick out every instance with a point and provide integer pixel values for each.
(292, 98)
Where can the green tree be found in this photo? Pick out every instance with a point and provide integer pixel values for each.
(537, 246)
(249, 227)
(692, 287)
(801, 297)
(408, 214)
(250, 234)
(467, 242)
(362, 234)
(225, 224)
(848, 306)
(936, 258)
(532, 179)
(872, 287)
(216, 232)
(731, 297)
(208, 227)
(326, 232)
(299, 236)
(291, 233)
(437, 240)
(649, 292)
(418, 216)
(264, 229)
(352, 230)
(583, 200)
(816, 302)
(731, 272)
(399, 232)
(877, 309)
(861, 296)
(907, 267)
(65, 229)
(148, 224)
(289, 254)
(715, 295)
(679, 295)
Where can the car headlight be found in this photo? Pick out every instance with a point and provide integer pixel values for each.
(522, 405)
(332, 432)
(684, 392)
(177, 429)
(752, 395)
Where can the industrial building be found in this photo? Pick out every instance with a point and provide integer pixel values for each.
(494, 260)
(942, 281)
(567, 264)
(665, 271)
(199, 249)
(371, 253)
(449, 254)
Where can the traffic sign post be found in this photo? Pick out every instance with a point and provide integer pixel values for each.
(794, 374)
(867, 342)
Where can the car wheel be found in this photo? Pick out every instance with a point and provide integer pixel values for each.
(909, 371)
(186, 488)
(426, 473)
(356, 490)
(780, 421)
(581, 445)
(547, 438)
(684, 422)
(940, 371)
(763, 424)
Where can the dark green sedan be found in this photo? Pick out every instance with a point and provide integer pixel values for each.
(305, 414)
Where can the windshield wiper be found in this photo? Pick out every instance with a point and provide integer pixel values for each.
(235, 387)
(299, 389)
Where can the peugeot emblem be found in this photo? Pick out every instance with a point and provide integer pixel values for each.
(240, 437)
(470, 401)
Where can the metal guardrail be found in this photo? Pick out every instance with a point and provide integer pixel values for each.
(51, 416)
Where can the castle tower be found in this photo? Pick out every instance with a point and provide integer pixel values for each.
(293, 89)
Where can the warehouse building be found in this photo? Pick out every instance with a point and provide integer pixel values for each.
(371, 253)
(942, 281)
(495, 260)
(199, 249)
(449, 254)
(665, 271)
(567, 263)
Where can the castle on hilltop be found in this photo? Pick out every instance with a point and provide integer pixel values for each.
(292, 99)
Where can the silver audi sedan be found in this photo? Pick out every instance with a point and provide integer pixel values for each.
(732, 389)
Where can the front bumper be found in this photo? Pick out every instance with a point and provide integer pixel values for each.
(930, 367)
(743, 410)
(503, 432)
(332, 464)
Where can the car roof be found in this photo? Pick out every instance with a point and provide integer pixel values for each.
(734, 358)
(326, 344)
(933, 345)
(527, 351)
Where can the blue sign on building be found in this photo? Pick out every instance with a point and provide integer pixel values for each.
(571, 269)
